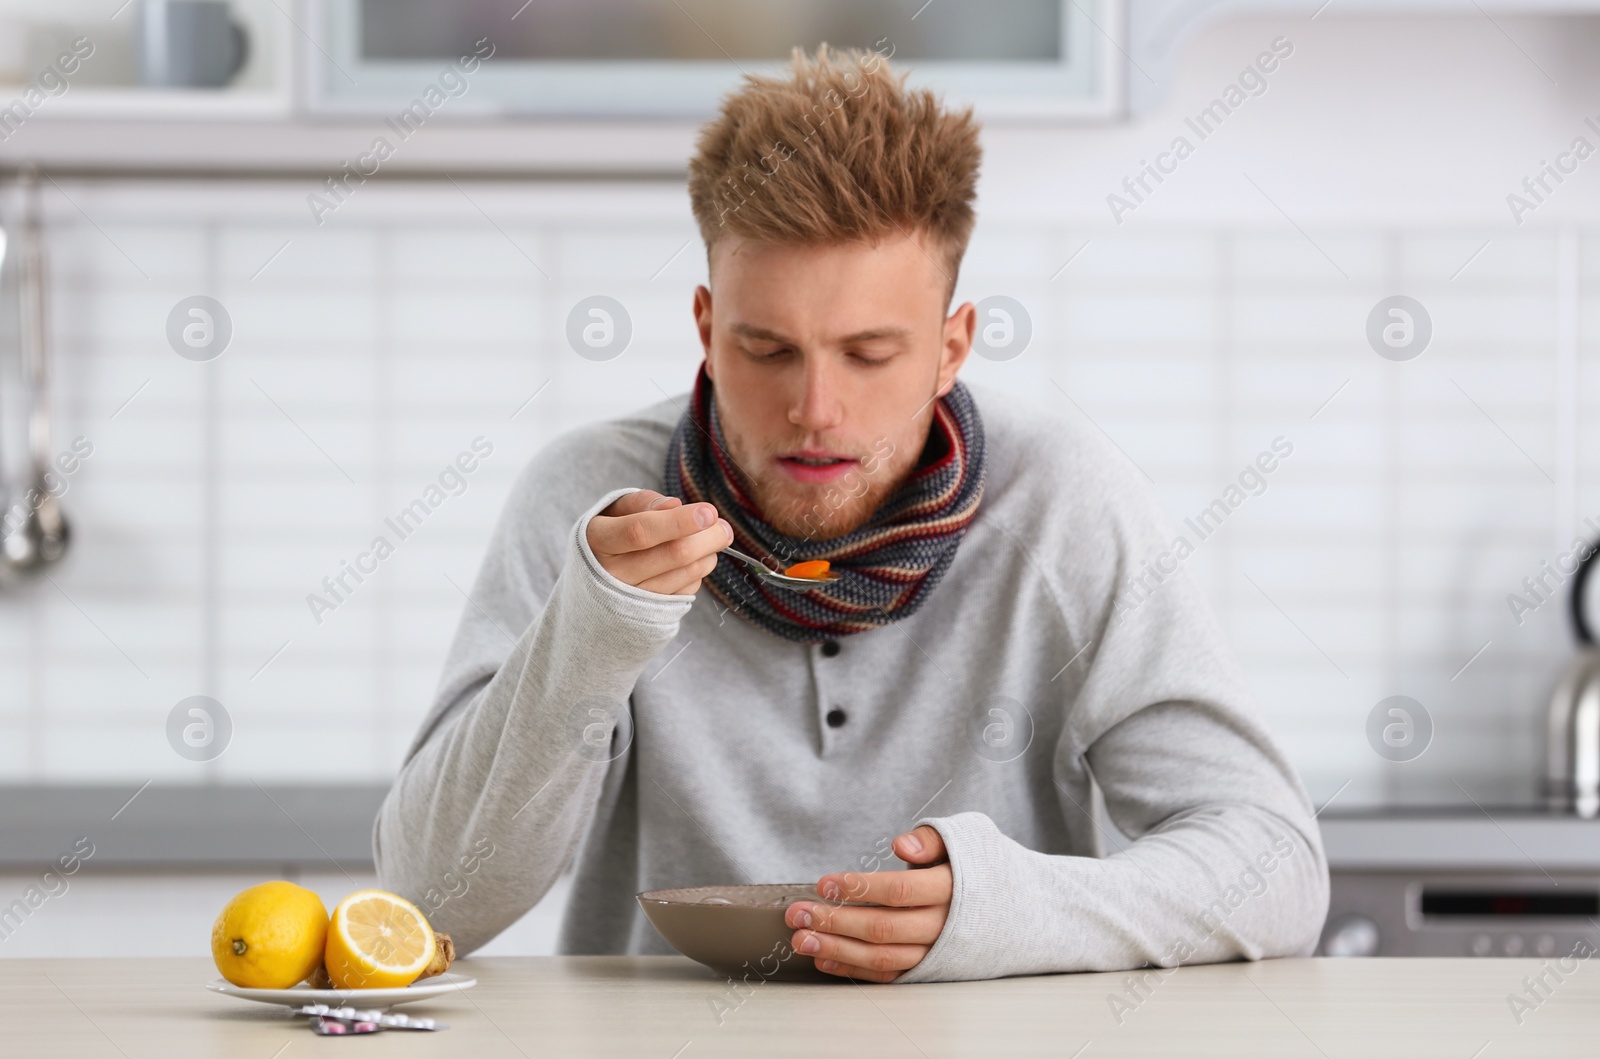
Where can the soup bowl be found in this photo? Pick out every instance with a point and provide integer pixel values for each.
(738, 931)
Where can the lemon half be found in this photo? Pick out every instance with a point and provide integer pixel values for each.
(377, 940)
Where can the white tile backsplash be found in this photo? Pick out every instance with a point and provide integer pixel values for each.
(368, 353)
(170, 914)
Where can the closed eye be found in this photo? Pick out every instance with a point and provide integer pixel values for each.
(768, 354)
(872, 359)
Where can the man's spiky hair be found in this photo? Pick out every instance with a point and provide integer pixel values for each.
(838, 151)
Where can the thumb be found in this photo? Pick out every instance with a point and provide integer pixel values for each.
(923, 845)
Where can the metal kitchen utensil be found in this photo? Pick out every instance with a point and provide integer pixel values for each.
(773, 577)
(43, 537)
(1572, 745)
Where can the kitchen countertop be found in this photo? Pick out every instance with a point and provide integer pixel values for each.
(165, 826)
(317, 827)
(670, 1008)
(1460, 838)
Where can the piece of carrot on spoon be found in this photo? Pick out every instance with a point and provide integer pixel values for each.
(811, 568)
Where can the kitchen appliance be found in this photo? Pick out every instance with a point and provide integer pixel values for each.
(1484, 882)
(1461, 882)
(1462, 914)
(1572, 740)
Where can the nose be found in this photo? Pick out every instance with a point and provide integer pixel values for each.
(817, 407)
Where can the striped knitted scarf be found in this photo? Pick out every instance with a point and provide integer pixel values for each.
(888, 566)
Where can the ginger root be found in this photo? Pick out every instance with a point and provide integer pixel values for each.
(444, 954)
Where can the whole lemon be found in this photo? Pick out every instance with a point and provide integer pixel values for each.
(270, 936)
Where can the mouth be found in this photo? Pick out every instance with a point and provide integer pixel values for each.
(812, 465)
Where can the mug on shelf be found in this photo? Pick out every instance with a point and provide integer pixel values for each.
(189, 44)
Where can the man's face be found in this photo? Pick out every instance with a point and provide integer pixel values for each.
(826, 362)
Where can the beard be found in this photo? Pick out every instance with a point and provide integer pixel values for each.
(821, 511)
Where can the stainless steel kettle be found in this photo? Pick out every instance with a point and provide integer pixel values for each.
(1572, 743)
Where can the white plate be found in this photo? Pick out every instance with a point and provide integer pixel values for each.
(357, 998)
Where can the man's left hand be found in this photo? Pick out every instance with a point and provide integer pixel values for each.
(878, 944)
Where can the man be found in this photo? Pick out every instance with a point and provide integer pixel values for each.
(951, 700)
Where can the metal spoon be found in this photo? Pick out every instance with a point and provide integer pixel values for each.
(772, 577)
(43, 536)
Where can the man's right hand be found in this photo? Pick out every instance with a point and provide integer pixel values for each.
(655, 543)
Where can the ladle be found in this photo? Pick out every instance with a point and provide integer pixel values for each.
(43, 537)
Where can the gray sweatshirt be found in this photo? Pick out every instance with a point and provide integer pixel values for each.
(648, 740)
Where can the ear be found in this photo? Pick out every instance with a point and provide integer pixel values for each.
(702, 320)
(958, 332)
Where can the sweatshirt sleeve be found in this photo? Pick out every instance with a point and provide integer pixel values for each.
(1225, 875)
(1226, 860)
(501, 783)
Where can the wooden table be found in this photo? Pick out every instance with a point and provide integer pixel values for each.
(669, 1008)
